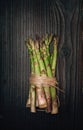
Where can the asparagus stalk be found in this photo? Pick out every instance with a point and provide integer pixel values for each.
(32, 94)
(28, 100)
(43, 72)
(47, 40)
(32, 90)
(50, 74)
(53, 66)
(39, 89)
(54, 56)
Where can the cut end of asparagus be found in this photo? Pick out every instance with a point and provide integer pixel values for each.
(41, 98)
(54, 107)
(42, 102)
(33, 110)
(48, 110)
(42, 106)
(28, 103)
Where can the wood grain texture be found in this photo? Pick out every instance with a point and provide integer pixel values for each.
(20, 19)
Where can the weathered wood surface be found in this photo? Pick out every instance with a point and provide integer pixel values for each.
(20, 19)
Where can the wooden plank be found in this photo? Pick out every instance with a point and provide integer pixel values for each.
(19, 20)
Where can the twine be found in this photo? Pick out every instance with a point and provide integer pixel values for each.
(45, 81)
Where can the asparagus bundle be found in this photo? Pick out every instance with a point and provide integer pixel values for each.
(43, 83)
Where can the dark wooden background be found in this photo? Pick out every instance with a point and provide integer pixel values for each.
(20, 19)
